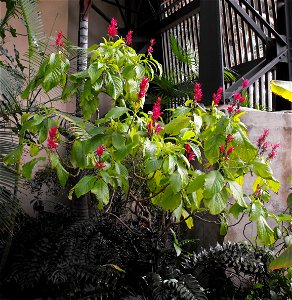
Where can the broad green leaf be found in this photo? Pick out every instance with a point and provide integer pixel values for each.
(122, 152)
(274, 185)
(183, 172)
(214, 183)
(114, 85)
(282, 88)
(62, 173)
(211, 146)
(188, 135)
(176, 125)
(78, 155)
(14, 156)
(236, 209)
(167, 200)
(28, 167)
(149, 148)
(243, 147)
(32, 123)
(95, 71)
(262, 169)
(85, 185)
(256, 210)
(118, 140)
(101, 191)
(33, 149)
(175, 182)
(116, 112)
(284, 260)
(264, 231)
(189, 221)
(152, 165)
(196, 183)
(289, 201)
(181, 111)
(177, 212)
(223, 227)
(237, 193)
(217, 203)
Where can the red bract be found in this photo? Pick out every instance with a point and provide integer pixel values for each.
(100, 164)
(242, 99)
(198, 94)
(100, 150)
(152, 42)
(222, 148)
(143, 87)
(230, 150)
(113, 28)
(189, 152)
(52, 141)
(158, 128)
(59, 41)
(272, 154)
(217, 97)
(150, 48)
(236, 96)
(230, 108)
(156, 113)
(229, 138)
(245, 84)
(187, 148)
(128, 38)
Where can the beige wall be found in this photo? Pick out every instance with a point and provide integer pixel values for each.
(280, 126)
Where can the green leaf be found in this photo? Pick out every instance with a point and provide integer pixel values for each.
(101, 191)
(211, 146)
(175, 182)
(85, 185)
(264, 231)
(256, 210)
(62, 174)
(152, 165)
(78, 155)
(217, 203)
(122, 152)
(214, 183)
(114, 85)
(282, 88)
(14, 156)
(176, 125)
(284, 260)
(28, 167)
(223, 227)
(237, 192)
(118, 140)
(188, 135)
(167, 200)
(116, 112)
(33, 149)
(95, 71)
(262, 169)
(181, 111)
(196, 184)
(236, 209)
(289, 201)
(243, 147)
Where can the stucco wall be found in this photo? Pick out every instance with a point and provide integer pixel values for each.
(280, 131)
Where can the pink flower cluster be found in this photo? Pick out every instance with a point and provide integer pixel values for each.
(198, 94)
(238, 99)
(59, 41)
(99, 152)
(128, 38)
(189, 152)
(226, 150)
(143, 87)
(112, 30)
(150, 48)
(263, 145)
(217, 96)
(152, 126)
(52, 140)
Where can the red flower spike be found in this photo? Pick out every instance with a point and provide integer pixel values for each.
(230, 109)
(229, 138)
(52, 141)
(59, 41)
(272, 154)
(242, 99)
(275, 146)
(53, 131)
(198, 94)
(245, 84)
(191, 156)
(230, 150)
(156, 113)
(100, 164)
(158, 128)
(128, 38)
(236, 96)
(113, 28)
(217, 97)
(152, 42)
(222, 148)
(100, 150)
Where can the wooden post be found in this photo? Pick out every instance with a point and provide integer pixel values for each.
(210, 51)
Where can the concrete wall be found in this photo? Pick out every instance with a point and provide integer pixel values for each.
(280, 126)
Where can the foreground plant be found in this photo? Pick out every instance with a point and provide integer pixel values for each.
(194, 162)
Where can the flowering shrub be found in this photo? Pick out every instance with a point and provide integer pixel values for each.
(194, 162)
